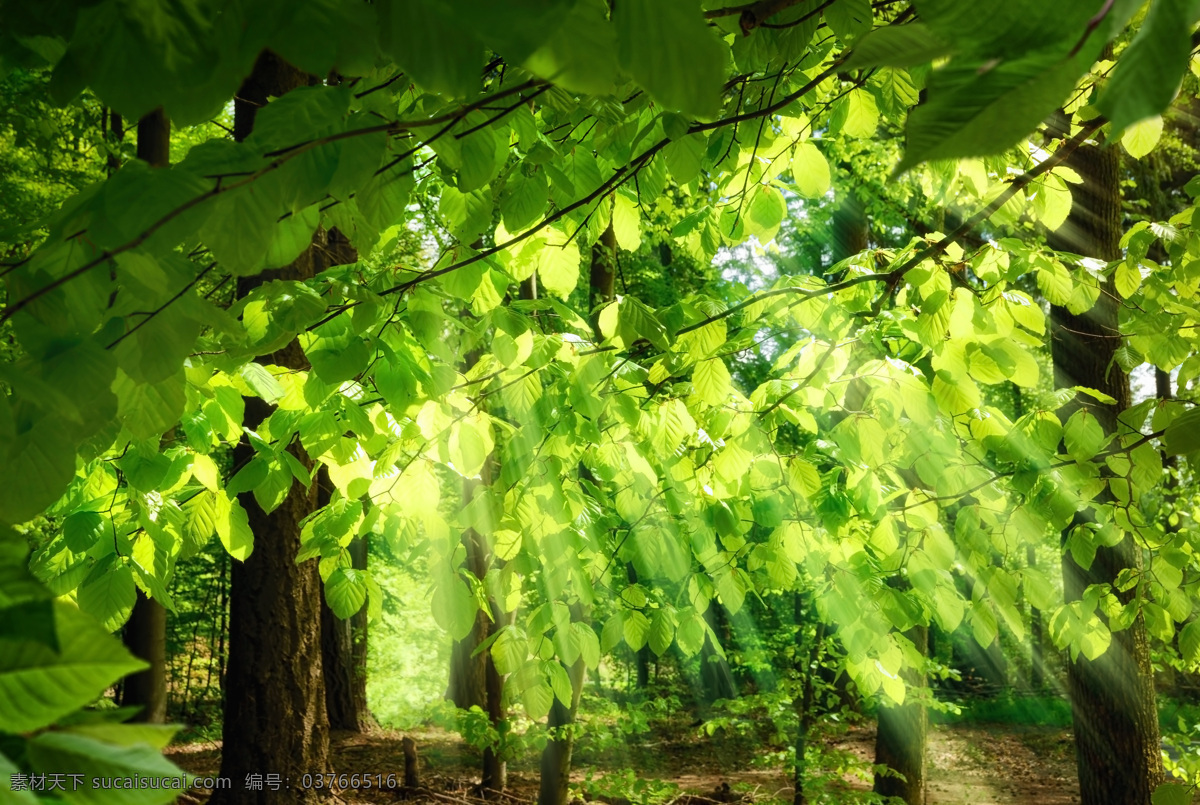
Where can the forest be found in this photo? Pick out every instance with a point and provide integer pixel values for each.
(637, 402)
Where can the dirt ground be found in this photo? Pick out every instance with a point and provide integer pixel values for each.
(980, 765)
(992, 765)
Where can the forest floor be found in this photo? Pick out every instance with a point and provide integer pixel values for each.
(990, 764)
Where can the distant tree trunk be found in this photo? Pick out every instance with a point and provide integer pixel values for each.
(474, 678)
(602, 285)
(806, 660)
(1037, 662)
(900, 739)
(145, 634)
(275, 718)
(850, 228)
(1037, 659)
(716, 677)
(1112, 697)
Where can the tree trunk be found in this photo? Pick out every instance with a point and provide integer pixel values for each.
(275, 720)
(850, 228)
(1037, 659)
(900, 739)
(556, 757)
(145, 634)
(1112, 697)
(342, 661)
(716, 677)
(359, 631)
(474, 679)
(602, 286)
(806, 662)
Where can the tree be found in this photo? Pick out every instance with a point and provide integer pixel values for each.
(274, 688)
(145, 633)
(1111, 683)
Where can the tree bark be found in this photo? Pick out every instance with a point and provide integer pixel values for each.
(145, 634)
(556, 757)
(1112, 697)
(275, 720)
(900, 739)
(602, 285)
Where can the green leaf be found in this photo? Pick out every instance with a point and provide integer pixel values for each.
(855, 115)
(560, 682)
(262, 382)
(581, 56)
(469, 447)
(346, 591)
(849, 19)
(233, 527)
(454, 607)
(510, 650)
(1183, 434)
(1083, 435)
(538, 699)
(896, 46)
(148, 410)
(426, 38)
(108, 594)
(626, 223)
(636, 629)
(204, 470)
(1127, 279)
(589, 644)
(1140, 138)
(1148, 73)
(53, 751)
(612, 634)
(524, 200)
(1189, 643)
(979, 110)
(81, 530)
(765, 213)
(712, 381)
(668, 49)
(1172, 794)
(685, 156)
(558, 265)
(810, 170)
(662, 630)
(1007, 28)
(38, 685)
(691, 632)
(35, 468)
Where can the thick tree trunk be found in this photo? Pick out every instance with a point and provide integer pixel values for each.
(1112, 697)
(275, 720)
(145, 634)
(900, 740)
